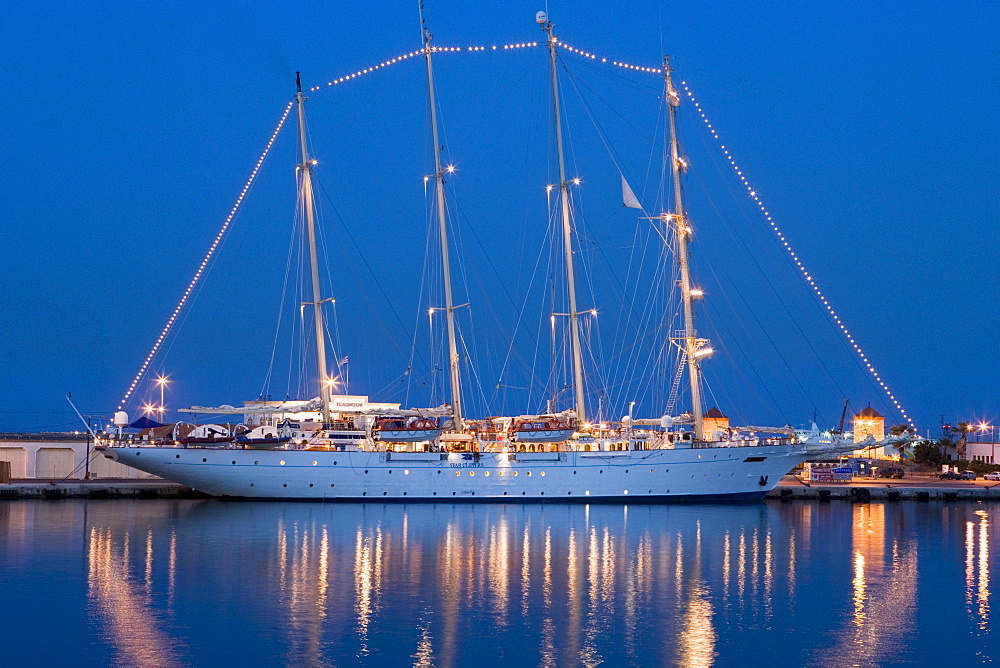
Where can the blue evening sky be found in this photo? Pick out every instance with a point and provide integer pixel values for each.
(129, 129)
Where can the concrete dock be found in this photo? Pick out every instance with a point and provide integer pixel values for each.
(911, 488)
(102, 488)
(791, 488)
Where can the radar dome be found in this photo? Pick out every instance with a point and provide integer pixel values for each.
(121, 419)
(541, 17)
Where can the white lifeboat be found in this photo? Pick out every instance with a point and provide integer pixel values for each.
(407, 430)
(543, 430)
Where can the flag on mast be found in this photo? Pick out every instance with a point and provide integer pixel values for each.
(628, 197)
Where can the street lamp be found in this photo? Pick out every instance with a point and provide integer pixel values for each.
(162, 382)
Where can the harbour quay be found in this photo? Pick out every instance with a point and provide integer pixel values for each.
(916, 488)
(106, 488)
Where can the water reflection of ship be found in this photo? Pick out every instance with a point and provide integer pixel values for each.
(572, 584)
(584, 574)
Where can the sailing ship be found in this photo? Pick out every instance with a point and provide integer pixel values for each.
(338, 449)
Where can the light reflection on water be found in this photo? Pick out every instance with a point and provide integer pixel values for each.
(179, 583)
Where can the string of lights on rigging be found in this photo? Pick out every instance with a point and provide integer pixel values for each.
(413, 54)
(205, 260)
(797, 260)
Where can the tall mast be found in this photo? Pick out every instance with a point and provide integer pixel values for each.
(574, 317)
(305, 172)
(449, 307)
(692, 344)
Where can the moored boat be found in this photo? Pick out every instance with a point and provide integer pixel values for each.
(367, 451)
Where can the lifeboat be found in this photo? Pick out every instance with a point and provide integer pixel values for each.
(210, 434)
(552, 430)
(411, 430)
(205, 440)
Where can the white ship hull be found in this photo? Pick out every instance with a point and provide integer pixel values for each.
(723, 473)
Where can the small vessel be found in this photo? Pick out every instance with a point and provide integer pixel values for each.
(542, 429)
(407, 430)
(347, 448)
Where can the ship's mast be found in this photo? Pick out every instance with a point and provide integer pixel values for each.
(574, 316)
(449, 306)
(305, 173)
(692, 345)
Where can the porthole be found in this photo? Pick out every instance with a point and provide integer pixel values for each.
(543, 493)
(384, 493)
(523, 493)
(285, 485)
(472, 473)
(255, 463)
(453, 493)
(137, 454)
(473, 494)
(528, 473)
(251, 484)
(505, 493)
(335, 462)
(514, 473)
(486, 473)
(574, 472)
(569, 492)
(626, 470)
(439, 473)
(542, 473)
(626, 491)
(601, 471)
(435, 493)
(500, 473)
(310, 484)
(364, 493)
(406, 471)
(234, 461)
(204, 459)
(333, 484)
(314, 463)
(404, 493)
(366, 470)
(458, 473)
(282, 462)
(177, 456)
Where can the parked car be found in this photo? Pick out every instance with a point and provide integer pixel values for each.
(968, 475)
(995, 476)
(948, 475)
(891, 472)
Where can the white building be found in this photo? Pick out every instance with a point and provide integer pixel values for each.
(58, 456)
(983, 452)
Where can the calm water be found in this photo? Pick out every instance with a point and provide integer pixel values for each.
(211, 583)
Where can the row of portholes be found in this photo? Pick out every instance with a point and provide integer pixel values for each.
(500, 473)
(256, 463)
(587, 493)
(332, 484)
